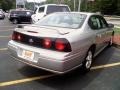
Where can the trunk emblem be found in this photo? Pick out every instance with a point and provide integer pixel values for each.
(31, 40)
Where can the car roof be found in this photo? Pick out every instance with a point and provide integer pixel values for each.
(53, 5)
(86, 13)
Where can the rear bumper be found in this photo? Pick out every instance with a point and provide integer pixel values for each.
(57, 62)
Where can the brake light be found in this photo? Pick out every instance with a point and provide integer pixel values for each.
(14, 36)
(62, 45)
(47, 43)
(57, 44)
(19, 37)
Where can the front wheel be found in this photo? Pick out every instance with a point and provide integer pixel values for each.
(86, 65)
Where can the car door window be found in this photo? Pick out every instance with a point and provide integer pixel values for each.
(41, 9)
(103, 22)
(95, 23)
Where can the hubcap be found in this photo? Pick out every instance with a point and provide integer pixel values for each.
(89, 60)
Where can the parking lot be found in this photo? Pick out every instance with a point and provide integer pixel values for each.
(14, 75)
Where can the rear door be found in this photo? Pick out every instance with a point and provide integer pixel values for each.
(108, 32)
(97, 27)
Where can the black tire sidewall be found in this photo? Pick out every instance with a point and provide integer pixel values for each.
(84, 62)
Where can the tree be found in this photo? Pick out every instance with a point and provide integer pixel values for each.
(109, 7)
(7, 4)
(118, 8)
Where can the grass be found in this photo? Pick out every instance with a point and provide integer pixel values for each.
(117, 31)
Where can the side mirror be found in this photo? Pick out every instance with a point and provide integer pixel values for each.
(110, 25)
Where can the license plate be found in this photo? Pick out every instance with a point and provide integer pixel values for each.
(29, 55)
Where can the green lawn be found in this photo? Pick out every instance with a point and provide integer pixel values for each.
(117, 30)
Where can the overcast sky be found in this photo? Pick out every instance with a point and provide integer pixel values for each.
(38, 1)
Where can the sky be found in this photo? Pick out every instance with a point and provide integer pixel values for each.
(37, 1)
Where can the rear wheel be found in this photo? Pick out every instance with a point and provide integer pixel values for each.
(86, 65)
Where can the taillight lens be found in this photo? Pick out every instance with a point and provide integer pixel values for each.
(62, 45)
(16, 36)
(47, 43)
(19, 37)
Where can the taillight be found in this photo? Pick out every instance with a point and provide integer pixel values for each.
(16, 36)
(47, 43)
(57, 44)
(62, 45)
(19, 37)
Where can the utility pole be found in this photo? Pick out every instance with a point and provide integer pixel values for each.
(34, 4)
(24, 4)
(74, 5)
(79, 5)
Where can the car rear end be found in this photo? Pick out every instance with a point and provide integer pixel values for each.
(20, 15)
(48, 53)
(25, 16)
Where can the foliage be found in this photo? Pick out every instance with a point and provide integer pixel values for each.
(7, 4)
(109, 7)
(117, 31)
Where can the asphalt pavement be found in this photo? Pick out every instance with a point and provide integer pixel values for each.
(14, 75)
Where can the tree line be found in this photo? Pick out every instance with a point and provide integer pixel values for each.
(110, 7)
(7, 4)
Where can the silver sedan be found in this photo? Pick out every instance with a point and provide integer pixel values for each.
(61, 42)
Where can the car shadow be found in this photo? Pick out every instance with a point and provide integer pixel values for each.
(74, 80)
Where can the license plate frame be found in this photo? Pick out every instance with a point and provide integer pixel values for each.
(29, 55)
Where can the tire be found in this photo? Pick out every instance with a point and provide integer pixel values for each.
(86, 65)
(15, 21)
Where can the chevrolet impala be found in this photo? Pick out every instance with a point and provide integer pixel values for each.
(62, 41)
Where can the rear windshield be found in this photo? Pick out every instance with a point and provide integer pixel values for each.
(63, 20)
(41, 9)
(51, 9)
